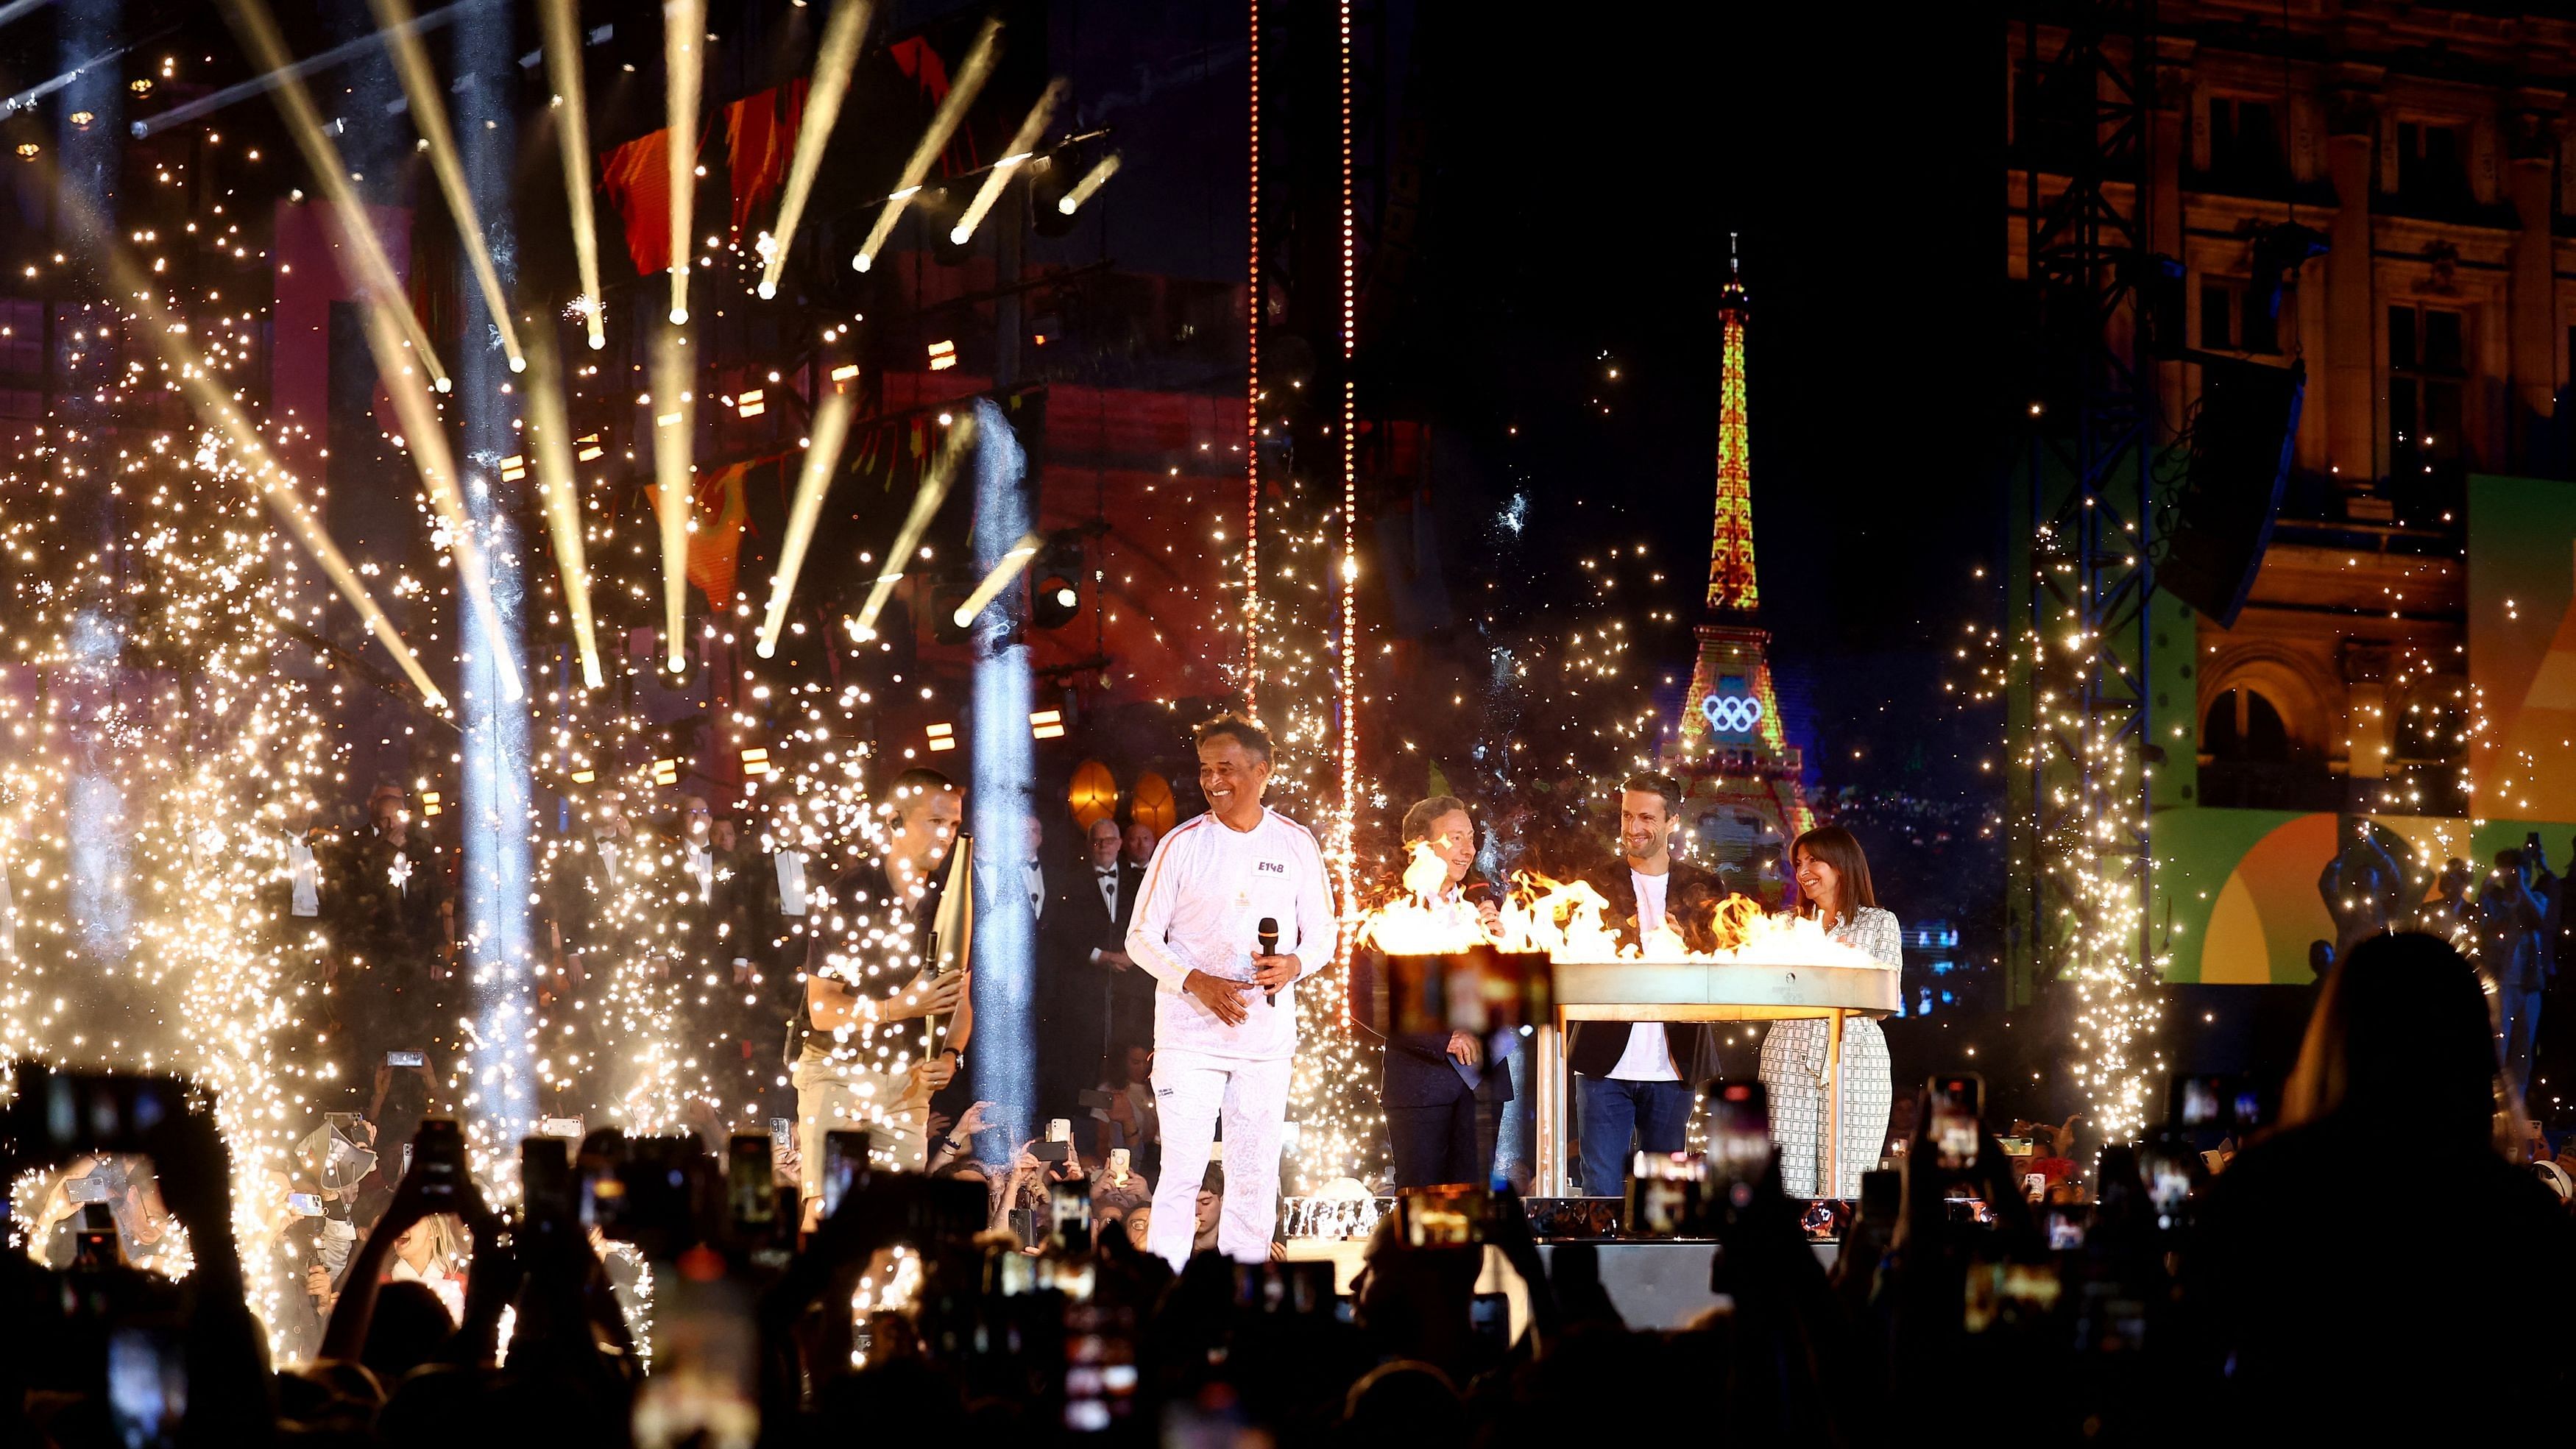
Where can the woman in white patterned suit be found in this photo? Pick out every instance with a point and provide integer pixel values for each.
(1833, 887)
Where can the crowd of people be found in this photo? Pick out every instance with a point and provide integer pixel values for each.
(2228, 1299)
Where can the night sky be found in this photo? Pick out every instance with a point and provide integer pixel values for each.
(1582, 201)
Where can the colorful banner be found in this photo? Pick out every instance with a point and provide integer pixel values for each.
(2522, 644)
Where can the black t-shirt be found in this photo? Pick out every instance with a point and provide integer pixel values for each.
(2350, 1275)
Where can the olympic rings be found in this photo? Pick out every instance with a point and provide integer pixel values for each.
(1732, 714)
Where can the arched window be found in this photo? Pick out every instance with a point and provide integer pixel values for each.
(2243, 727)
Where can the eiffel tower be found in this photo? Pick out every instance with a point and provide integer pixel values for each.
(1746, 799)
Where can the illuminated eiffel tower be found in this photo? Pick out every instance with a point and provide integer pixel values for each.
(1746, 798)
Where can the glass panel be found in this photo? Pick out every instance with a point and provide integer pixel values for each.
(2442, 351)
(2442, 431)
(2401, 413)
(2401, 337)
(2258, 332)
(2214, 331)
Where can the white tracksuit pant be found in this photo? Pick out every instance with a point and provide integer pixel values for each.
(1190, 1090)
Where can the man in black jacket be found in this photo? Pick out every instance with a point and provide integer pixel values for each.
(1091, 994)
(1432, 1081)
(1635, 1080)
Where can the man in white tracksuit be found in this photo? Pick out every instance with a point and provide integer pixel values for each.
(1220, 1044)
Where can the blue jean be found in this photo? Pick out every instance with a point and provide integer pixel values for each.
(2521, 1029)
(1656, 1114)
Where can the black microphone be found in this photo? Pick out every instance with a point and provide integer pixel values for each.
(1478, 892)
(1269, 933)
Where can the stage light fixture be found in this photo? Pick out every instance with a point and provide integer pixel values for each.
(941, 737)
(1046, 724)
(962, 89)
(1023, 146)
(1004, 570)
(1056, 598)
(833, 62)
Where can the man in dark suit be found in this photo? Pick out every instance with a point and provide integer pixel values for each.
(1431, 1082)
(1635, 1080)
(1092, 993)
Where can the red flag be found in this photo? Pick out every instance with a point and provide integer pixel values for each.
(637, 177)
(915, 58)
(715, 547)
(760, 139)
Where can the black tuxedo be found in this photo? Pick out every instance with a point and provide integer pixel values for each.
(1085, 1006)
(1432, 1127)
(1594, 1048)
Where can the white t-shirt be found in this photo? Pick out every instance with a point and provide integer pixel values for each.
(791, 882)
(1204, 897)
(301, 868)
(1649, 1057)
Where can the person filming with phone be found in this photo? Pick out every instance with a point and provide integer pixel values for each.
(860, 1061)
(1235, 910)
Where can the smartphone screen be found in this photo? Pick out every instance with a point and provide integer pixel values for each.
(406, 1059)
(305, 1204)
(439, 1147)
(845, 1160)
(1739, 1131)
(704, 1388)
(1449, 1216)
(147, 1385)
(1958, 1105)
(1489, 1315)
(750, 1188)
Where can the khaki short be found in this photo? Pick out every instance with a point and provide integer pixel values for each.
(841, 1096)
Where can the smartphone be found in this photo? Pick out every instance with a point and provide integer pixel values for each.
(305, 1204)
(1666, 1194)
(1069, 1215)
(705, 1384)
(1958, 1106)
(567, 1128)
(545, 1181)
(1739, 1131)
(147, 1385)
(406, 1059)
(1050, 1151)
(438, 1149)
(87, 1188)
(1489, 1317)
(1059, 1129)
(1095, 1100)
(1452, 1215)
(1118, 1165)
(2066, 1223)
(2166, 1165)
(845, 1166)
(751, 1188)
(782, 1130)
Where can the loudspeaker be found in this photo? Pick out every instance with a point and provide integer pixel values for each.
(2239, 462)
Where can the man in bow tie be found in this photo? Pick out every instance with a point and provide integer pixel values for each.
(1089, 990)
